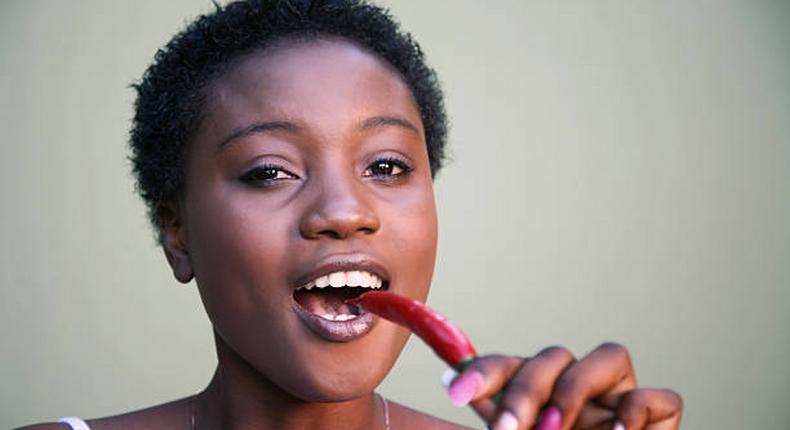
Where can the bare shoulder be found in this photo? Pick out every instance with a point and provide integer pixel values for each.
(46, 426)
(406, 417)
(176, 413)
(165, 416)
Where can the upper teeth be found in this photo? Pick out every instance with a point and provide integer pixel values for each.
(353, 278)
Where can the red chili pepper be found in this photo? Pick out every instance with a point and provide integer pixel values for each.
(446, 339)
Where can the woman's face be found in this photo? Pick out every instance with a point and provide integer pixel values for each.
(309, 167)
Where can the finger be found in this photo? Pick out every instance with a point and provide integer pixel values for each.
(605, 425)
(594, 416)
(485, 407)
(482, 379)
(603, 375)
(651, 409)
(530, 388)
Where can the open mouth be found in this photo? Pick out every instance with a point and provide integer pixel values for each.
(325, 296)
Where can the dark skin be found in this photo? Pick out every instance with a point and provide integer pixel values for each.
(311, 151)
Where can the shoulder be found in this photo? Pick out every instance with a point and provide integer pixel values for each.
(405, 417)
(165, 416)
(174, 414)
(46, 426)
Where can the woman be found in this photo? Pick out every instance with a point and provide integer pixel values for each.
(286, 152)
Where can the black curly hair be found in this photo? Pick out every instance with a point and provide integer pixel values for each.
(171, 95)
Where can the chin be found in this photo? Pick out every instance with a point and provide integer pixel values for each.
(343, 372)
(331, 387)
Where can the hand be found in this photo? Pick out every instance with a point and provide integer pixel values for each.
(596, 392)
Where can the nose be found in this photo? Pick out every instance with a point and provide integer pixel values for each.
(340, 209)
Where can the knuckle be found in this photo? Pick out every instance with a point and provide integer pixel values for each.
(557, 353)
(615, 349)
(675, 398)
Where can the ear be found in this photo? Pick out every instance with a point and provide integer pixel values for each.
(172, 232)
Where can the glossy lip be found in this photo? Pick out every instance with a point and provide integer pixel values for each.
(340, 331)
(336, 331)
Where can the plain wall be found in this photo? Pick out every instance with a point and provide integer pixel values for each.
(620, 171)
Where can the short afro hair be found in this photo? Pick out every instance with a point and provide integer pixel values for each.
(171, 94)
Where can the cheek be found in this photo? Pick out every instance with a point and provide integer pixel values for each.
(417, 231)
(236, 249)
(415, 242)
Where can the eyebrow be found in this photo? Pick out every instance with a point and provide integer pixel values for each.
(258, 127)
(262, 127)
(382, 121)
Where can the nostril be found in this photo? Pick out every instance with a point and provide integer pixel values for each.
(330, 233)
(342, 233)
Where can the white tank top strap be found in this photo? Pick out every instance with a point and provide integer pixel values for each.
(75, 423)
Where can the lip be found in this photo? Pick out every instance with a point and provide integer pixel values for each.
(336, 331)
(339, 331)
(343, 263)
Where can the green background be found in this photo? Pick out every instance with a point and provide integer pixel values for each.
(620, 170)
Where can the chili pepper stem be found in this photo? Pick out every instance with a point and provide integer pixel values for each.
(466, 362)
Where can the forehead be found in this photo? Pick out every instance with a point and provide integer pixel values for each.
(325, 84)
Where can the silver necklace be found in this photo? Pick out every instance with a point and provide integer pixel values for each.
(386, 412)
(383, 402)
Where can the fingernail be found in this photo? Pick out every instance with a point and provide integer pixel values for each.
(506, 421)
(618, 426)
(551, 420)
(464, 388)
(448, 376)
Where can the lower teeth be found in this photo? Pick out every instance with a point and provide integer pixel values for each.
(339, 317)
(329, 303)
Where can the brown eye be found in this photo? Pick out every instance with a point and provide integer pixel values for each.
(387, 168)
(266, 175)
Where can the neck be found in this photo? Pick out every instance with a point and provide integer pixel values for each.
(240, 398)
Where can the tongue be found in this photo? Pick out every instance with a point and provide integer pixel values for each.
(328, 301)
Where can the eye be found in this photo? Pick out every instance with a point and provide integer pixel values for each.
(266, 175)
(387, 168)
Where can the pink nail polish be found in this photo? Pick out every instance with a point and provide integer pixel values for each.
(463, 389)
(618, 426)
(551, 420)
(506, 421)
